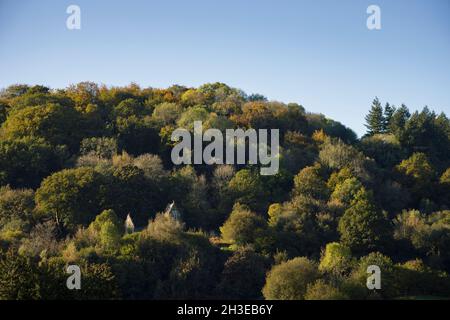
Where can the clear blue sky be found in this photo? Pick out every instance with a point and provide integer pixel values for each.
(317, 53)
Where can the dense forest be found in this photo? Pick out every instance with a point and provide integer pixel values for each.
(76, 162)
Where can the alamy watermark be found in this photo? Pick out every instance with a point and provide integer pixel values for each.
(374, 278)
(73, 21)
(73, 282)
(222, 150)
(374, 20)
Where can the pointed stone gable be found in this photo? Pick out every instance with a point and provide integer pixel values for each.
(129, 225)
(173, 211)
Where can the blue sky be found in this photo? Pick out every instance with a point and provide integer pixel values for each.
(317, 53)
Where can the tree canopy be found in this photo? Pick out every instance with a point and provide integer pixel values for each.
(76, 163)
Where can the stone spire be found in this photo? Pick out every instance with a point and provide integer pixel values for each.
(173, 211)
(129, 225)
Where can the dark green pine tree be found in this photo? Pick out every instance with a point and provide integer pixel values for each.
(388, 113)
(399, 119)
(375, 119)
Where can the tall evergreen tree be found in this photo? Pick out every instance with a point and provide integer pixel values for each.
(398, 119)
(375, 118)
(388, 113)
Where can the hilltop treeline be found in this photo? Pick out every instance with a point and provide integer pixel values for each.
(75, 162)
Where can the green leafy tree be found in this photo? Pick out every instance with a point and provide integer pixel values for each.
(164, 228)
(109, 230)
(13, 91)
(71, 196)
(167, 113)
(247, 188)
(84, 93)
(24, 162)
(59, 125)
(444, 183)
(220, 193)
(129, 107)
(339, 177)
(385, 149)
(389, 288)
(346, 191)
(18, 277)
(243, 226)
(188, 190)
(289, 280)
(52, 282)
(136, 135)
(363, 227)
(42, 241)
(415, 278)
(296, 226)
(196, 113)
(418, 174)
(16, 204)
(298, 152)
(337, 155)
(320, 290)
(99, 283)
(336, 259)
(192, 97)
(130, 191)
(308, 182)
(102, 147)
(152, 167)
(428, 236)
(445, 178)
(3, 111)
(243, 275)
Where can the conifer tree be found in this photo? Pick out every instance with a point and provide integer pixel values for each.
(375, 118)
(388, 113)
(398, 119)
